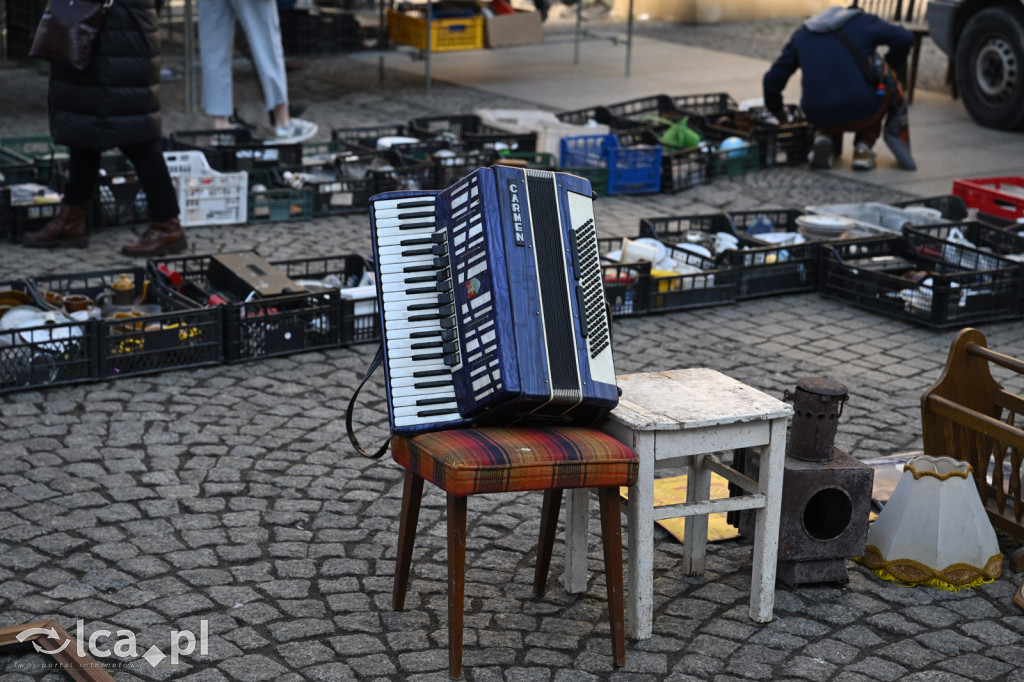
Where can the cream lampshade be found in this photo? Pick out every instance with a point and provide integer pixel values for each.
(934, 529)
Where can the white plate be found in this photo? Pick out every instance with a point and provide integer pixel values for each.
(824, 226)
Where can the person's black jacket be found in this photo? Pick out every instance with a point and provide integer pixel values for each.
(835, 90)
(115, 101)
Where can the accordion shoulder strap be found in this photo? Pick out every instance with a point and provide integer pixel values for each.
(377, 361)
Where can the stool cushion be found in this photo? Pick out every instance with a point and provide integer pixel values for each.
(493, 459)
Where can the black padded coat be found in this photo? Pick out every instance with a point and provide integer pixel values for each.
(115, 101)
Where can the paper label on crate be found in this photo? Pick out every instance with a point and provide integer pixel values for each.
(341, 198)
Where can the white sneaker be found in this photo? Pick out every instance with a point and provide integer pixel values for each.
(297, 130)
(863, 157)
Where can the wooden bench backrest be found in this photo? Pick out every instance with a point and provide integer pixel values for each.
(911, 11)
(967, 415)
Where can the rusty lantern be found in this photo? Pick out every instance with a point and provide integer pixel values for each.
(817, 406)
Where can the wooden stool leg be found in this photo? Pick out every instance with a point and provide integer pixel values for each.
(412, 493)
(611, 536)
(548, 526)
(456, 582)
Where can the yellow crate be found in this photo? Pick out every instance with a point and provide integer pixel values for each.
(447, 35)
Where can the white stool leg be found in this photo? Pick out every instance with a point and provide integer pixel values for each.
(576, 512)
(640, 534)
(766, 526)
(695, 528)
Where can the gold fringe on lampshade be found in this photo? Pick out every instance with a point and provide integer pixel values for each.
(952, 578)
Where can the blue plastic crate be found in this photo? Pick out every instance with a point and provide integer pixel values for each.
(631, 170)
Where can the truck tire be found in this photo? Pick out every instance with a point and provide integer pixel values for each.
(990, 67)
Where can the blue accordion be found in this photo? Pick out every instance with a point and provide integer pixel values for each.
(492, 303)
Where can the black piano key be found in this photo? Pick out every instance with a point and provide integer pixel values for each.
(439, 237)
(433, 401)
(424, 373)
(439, 250)
(433, 384)
(427, 356)
(447, 323)
(424, 306)
(416, 226)
(419, 268)
(451, 359)
(448, 335)
(427, 334)
(416, 242)
(433, 413)
(418, 252)
(415, 203)
(421, 279)
(420, 290)
(426, 344)
(444, 298)
(451, 347)
(415, 214)
(448, 310)
(424, 318)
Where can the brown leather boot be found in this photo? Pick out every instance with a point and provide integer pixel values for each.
(163, 237)
(67, 228)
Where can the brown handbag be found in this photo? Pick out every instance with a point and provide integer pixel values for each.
(67, 31)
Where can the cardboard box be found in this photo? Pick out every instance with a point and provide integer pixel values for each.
(506, 30)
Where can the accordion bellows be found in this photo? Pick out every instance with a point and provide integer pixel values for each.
(934, 529)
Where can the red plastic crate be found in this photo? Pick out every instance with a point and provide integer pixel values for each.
(1003, 197)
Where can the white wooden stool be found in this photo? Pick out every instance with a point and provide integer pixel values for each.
(689, 414)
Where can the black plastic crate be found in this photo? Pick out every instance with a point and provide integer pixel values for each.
(473, 132)
(237, 149)
(365, 139)
(642, 111)
(763, 270)
(784, 144)
(984, 236)
(279, 325)
(318, 32)
(920, 279)
(654, 292)
(448, 169)
(534, 160)
(18, 218)
(951, 206)
(705, 104)
(582, 117)
(57, 351)
(127, 343)
(681, 168)
(119, 200)
(15, 167)
(270, 202)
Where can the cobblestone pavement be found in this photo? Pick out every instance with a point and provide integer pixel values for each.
(230, 494)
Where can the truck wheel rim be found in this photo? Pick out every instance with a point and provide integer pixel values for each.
(996, 69)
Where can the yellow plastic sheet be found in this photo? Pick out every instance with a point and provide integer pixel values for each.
(672, 490)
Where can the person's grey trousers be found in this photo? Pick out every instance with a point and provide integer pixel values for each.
(262, 27)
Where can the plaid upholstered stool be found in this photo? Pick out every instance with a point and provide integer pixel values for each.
(494, 460)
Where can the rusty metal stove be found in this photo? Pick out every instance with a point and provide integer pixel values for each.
(826, 493)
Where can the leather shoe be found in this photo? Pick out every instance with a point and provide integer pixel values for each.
(162, 237)
(67, 228)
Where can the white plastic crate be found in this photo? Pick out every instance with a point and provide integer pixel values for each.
(549, 129)
(206, 196)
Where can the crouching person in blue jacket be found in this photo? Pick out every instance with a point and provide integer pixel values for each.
(834, 51)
